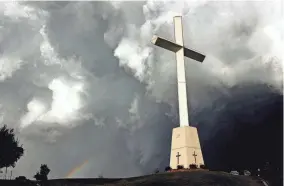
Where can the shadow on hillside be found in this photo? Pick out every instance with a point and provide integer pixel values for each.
(196, 178)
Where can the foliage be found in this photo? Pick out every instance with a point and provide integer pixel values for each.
(10, 151)
(192, 166)
(42, 174)
(202, 166)
(168, 168)
(180, 167)
(21, 178)
(23, 181)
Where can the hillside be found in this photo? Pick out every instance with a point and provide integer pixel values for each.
(197, 178)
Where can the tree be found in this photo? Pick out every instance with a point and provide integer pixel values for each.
(10, 150)
(42, 174)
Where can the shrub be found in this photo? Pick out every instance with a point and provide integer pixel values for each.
(192, 166)
(168, 168)
(23, 181)
(20, 178)
(180, 167)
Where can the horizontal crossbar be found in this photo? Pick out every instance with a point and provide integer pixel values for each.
(166, 44)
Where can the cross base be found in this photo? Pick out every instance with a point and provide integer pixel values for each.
(185, 142)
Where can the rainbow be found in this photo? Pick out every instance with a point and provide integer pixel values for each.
(76, 169)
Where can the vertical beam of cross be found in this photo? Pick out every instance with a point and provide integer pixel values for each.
(182, 94)
(194, 155)
(178, 155)
(180, 51)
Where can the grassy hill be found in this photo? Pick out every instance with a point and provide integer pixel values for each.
(196, 178)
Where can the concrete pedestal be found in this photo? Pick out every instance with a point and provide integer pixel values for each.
(185, 149)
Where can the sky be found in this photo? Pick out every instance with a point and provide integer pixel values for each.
(84, 88)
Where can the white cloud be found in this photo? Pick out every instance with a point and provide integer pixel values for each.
(17, 10)
(65, 105)
(47, 51)
(36, 109)
(66, 101)
(8, 66)
(133, 56)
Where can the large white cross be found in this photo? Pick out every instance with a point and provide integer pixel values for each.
(180, 51)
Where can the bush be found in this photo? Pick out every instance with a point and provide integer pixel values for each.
(168, 168)
(21, 178)
(23, 181)
(203, 166)
(193, 166)
(180, 167)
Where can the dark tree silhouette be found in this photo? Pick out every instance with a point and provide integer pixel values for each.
(42, 174)
(10, 150)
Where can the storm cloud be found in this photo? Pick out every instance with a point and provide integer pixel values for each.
(80, 81)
